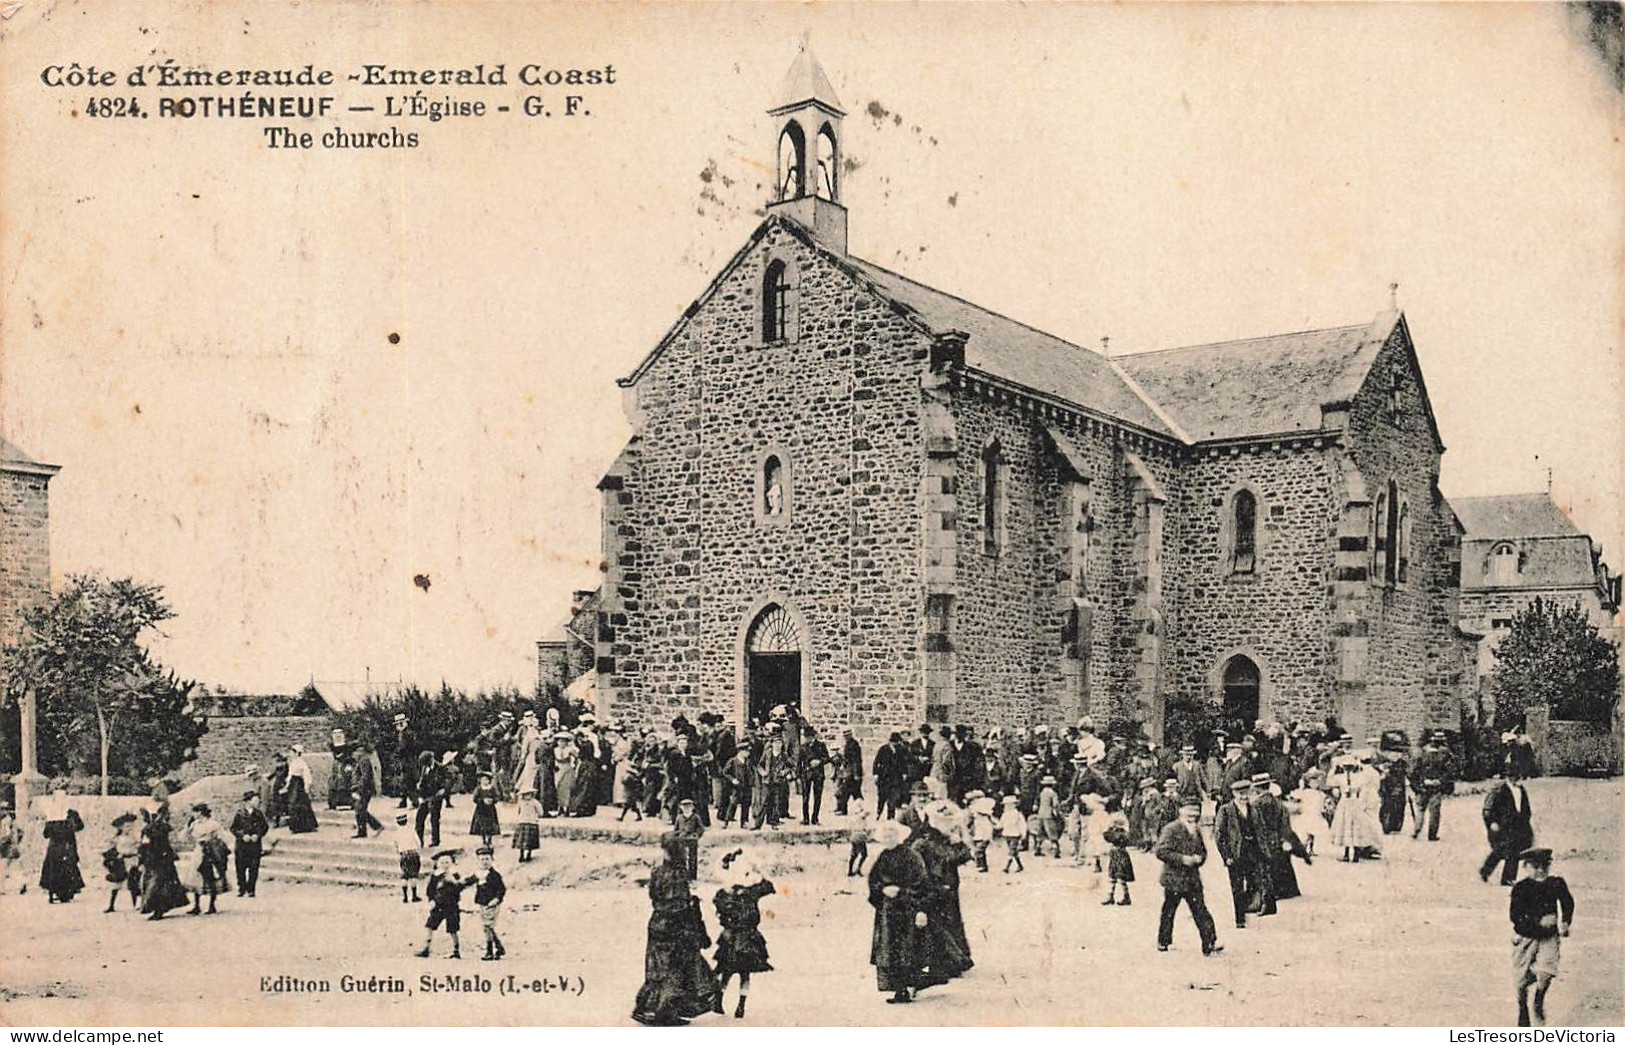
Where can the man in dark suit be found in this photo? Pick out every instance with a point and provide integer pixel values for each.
(1433, 777)
(249, 827)
(1188, 771)
(1236, 836)
(364, 785)
(1507, 823)
(848, 771)
(406, 761)
(1183, 852)
(892, 776)
(1270, 828)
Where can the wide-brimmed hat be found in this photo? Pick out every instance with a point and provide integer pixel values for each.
(399, 717)
(448, 758)
(1240, 785)
(890, 833)
(1047, 781)
(1261, 778)
(1536, 856)
(250, 794)
(451, 854)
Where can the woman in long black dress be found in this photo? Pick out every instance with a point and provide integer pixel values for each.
(897, 883)
(59, 875)
(161, 889)
(677, 983)
(741, 948)
(947, 951)
(301, 818)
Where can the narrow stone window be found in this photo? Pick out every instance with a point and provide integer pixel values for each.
(1379, 539)
(1404, 570)
(774, 495)
(993, 494)
(1390, 532)
(939, 612)
(776, 300)
(1244, 511)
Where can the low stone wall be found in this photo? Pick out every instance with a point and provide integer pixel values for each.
(233, 742)
(1573, 748)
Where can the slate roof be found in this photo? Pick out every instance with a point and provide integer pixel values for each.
(1258, 386)
(1513, 515)
(1019, 353)
(11, 454)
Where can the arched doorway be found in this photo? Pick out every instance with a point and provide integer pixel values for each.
(773, 649)
(1240, 687)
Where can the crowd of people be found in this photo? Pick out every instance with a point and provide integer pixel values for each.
(944, 796)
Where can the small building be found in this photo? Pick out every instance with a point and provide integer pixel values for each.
(1520, 547)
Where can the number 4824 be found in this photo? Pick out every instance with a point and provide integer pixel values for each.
(113, 107)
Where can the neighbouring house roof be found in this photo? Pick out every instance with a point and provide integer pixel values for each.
(1505, 516)
(1259, 386)
(1545, 562)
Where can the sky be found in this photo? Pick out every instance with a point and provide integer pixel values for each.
(197, 328)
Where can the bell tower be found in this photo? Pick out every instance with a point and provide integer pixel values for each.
(807, 124)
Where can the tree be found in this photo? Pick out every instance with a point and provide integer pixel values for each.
(102, 701)
(1555, 656)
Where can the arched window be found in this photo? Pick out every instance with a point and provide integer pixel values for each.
(1404, 541)
(1390, 531)
(828, 169)
(1244, 519)
(776, 292)
(792, 162)
(773, 486)
(993, 483)
(1504, 564)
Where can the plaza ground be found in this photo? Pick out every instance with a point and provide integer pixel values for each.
(1412, 939)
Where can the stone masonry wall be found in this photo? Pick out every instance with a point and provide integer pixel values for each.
(25, 551)
(1011, 615)
(1277, 615)
(233, 742)
(839, 402)
(1413, 677)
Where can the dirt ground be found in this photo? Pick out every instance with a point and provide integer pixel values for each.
(1413, 939)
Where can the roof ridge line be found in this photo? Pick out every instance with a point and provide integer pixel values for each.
(1240, 340)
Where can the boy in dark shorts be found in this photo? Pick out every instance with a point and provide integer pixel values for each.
(1542, 910)
(444, 890)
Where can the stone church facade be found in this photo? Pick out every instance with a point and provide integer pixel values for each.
(868, 497)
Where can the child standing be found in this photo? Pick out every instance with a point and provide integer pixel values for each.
(1013, 826)
(629, 785)
(489, 892)
(689, 828)
(527, 830)
(1096, 822)
(121, 861)
(981, 827)
(740, 946)
(1120, 865)
(1049, 818)
(445, 890)
(857, 833)
(1542, 910)
(406, 848)
(485, 823)
(1308, 805)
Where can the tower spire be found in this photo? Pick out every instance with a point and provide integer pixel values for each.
(807, 120)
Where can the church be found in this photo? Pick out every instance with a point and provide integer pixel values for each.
(874, 500)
